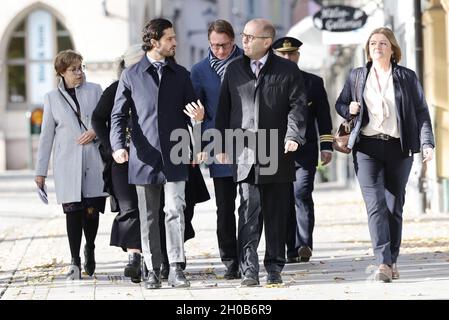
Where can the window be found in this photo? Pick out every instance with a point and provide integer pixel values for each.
(192, 55)
(276, 12)
(251, 9)
(31, 50)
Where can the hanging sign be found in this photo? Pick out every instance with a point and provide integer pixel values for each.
(340, 18)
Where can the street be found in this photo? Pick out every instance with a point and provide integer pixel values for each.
(34, 255)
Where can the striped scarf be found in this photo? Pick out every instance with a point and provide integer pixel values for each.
(218, 65)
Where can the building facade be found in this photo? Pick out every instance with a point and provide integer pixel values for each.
(192, 17)
(435, 21)
(31, 33)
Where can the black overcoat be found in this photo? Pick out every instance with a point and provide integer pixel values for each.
(275, 100)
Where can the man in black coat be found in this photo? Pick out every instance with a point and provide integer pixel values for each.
(263, 98)
(158, 89)
(302, 218)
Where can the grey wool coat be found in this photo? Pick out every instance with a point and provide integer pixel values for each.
(76, 168)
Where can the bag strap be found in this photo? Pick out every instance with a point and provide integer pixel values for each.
(74, 111)
(354, 91)
(356, 85)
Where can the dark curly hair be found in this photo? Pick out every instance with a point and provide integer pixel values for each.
(154, 30)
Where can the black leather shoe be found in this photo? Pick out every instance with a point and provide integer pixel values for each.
(154, 279)
(89, 260)
(165, 270)
(176, 277)
(250, 279)
(232, 273)
(293, 259)
(133, 268)
(184, 264)
(74, 270)
(304, 253)
(144, 270)
(274, 278)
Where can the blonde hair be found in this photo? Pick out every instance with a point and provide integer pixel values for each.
(131, 56)
(397, 53)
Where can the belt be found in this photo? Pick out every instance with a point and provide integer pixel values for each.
(380, 136)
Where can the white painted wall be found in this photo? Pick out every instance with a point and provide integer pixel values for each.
(99, 38)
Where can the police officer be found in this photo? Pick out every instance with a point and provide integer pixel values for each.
(299, 236)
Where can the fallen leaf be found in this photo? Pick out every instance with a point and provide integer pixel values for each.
(211, 285)
(276, 285)
(208, 270)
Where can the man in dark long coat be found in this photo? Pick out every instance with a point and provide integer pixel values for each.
(158, 89)
(262, 91)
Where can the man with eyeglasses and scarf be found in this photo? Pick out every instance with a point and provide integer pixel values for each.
(207, 76)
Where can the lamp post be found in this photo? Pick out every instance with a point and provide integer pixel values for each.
(421, 168)
(30, 141)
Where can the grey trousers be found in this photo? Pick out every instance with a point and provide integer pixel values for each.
(149, 204)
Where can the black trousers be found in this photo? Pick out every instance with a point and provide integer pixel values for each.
(301, 220)
(382, 170)
(264, 205)
(225, 194)
(125, 232)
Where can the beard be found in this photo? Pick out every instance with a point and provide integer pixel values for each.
(171, 52)
(167, 52)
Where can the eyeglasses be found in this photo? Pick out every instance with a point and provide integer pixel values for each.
(217, 46)
(250, 37)
(80, 69)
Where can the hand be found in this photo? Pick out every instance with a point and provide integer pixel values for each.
(354, 108)
(200, 158)
(222, 158)
(86, 137)
(326, 157)
(195, 111)
(290, 146)
(40, 181)
(427, 154)
(120, 156)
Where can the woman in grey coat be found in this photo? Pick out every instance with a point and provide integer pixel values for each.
(77, 165)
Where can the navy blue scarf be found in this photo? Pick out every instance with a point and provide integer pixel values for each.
(219, 66)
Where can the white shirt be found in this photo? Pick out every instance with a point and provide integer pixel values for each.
(381, 105)
(262, 60)
(153, 61)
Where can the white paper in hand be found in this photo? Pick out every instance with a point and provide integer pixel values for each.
(42, 192)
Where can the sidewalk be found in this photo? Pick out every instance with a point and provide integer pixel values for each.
(34, 256)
